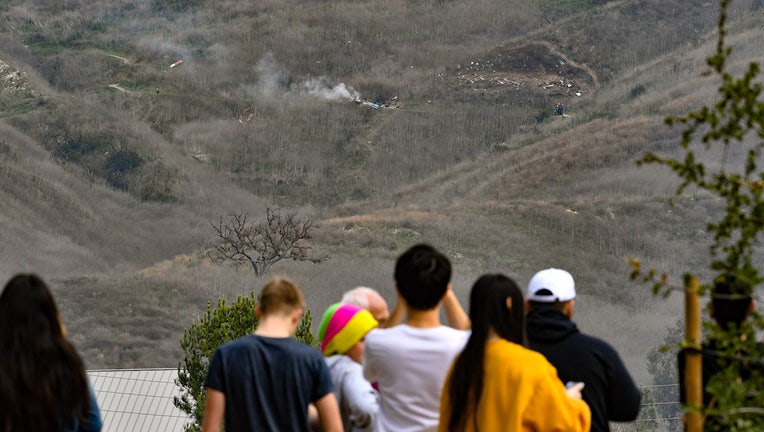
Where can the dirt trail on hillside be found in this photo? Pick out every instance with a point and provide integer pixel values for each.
(120, 88)
(124, 60)
(537, 37)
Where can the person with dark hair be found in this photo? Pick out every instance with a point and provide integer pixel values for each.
(409, 361)
(43, 385)
(496, 383)
(730, 307)
(265, 381)
(609, 389)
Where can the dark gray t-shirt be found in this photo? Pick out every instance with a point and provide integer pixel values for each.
(268, 382)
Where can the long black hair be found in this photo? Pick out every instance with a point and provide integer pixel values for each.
(488, 310)
(42, 378)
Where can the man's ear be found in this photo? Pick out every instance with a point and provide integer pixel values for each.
(258, 313)
(569, 308)
(527, 306)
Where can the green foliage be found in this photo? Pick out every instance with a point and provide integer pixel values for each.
(6, 152)
(217, 326)
(118, 164)
(175, 6)
(76, 148)
(45, 46)
(637, 90)
(154, 181)
(741, 405)
(736, 119)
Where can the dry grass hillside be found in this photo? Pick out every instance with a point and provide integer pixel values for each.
(113, 161)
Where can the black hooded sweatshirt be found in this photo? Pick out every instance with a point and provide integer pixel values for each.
(609, 390)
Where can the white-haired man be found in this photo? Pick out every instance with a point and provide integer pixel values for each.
(369, 299)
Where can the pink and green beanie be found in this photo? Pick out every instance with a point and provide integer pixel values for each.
(343, 325)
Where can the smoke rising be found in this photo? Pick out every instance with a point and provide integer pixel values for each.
(322, 88)
(273, 78)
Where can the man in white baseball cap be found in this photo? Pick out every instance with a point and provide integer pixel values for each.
(609, 390)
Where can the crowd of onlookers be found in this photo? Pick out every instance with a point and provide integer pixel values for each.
(514, 362)
(511, 363)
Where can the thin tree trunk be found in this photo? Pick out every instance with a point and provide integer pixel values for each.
(693, 373)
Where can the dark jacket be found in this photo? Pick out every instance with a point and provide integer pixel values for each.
(609, 390)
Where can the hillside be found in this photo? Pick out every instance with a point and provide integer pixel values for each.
(113, 161)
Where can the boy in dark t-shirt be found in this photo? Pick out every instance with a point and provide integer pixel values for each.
(266, 380)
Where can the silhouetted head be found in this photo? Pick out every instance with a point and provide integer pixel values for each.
(28, 313)
(422, 275)
(552, 287)
(496, 302)
(280, 295)
(40, 371)
(369, 299)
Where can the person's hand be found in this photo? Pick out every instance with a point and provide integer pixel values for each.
(573, 389)
(398, 315)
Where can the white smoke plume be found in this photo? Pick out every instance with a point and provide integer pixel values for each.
(271, 76)
(272, 83)
(323, 88)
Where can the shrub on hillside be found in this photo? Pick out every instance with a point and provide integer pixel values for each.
(154, 181)
(217, 326)
(118, 165)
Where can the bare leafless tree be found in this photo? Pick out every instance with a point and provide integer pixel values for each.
(263, 244)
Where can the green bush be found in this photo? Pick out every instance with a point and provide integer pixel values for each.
(637, 90)
(118, 165)
(154, 181)
(217, 326)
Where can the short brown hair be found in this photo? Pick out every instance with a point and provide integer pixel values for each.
(280, 295)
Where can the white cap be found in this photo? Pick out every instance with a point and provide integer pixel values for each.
(557, 284)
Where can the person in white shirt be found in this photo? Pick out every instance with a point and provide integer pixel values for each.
(409, 362)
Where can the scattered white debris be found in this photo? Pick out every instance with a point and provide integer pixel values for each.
(13, 81)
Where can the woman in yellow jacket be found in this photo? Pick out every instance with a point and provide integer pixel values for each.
(496, 384)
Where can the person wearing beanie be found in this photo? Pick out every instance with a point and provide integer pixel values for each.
(342, 332)
(608, 389)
